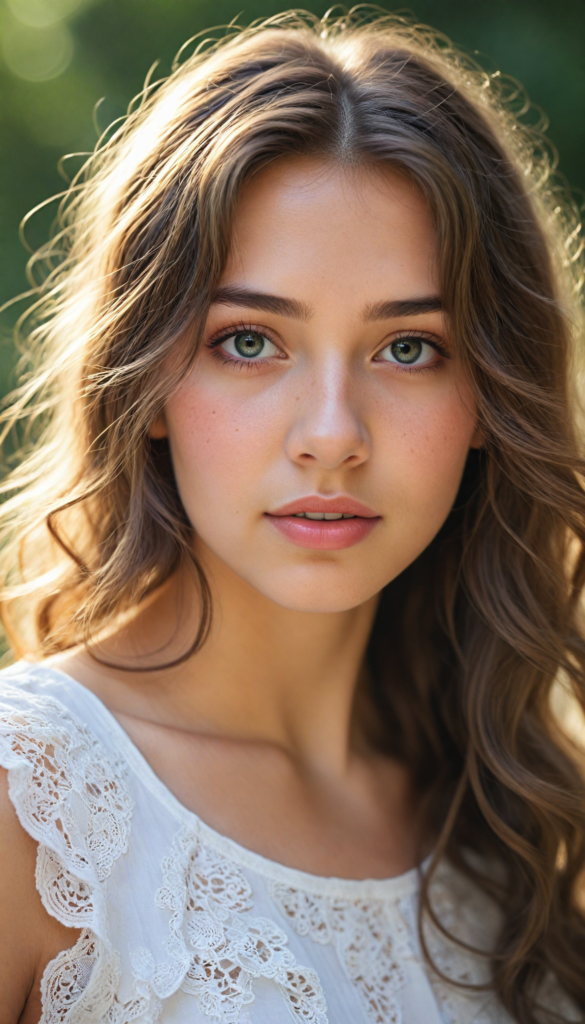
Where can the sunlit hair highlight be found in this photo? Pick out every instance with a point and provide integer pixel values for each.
(471, 642)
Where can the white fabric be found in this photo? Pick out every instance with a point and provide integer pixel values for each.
(182, 925)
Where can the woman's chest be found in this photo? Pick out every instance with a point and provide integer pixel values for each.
(361, 824)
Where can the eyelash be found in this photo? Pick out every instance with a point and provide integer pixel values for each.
(430, 340)
(256, 364)
(242, 364)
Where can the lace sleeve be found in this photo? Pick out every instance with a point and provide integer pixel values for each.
(72, 797)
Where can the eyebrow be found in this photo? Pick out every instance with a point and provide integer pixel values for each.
(229, 296)
(402, 307)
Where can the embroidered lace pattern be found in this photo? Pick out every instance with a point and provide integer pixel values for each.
(60, 759)
(374, 939)
(216, 947)
(68, 999)
(66, 991)
(59, 776)
(368, 945)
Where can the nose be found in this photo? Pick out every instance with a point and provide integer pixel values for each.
(328, 429)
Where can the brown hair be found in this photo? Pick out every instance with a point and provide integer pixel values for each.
(470, 642)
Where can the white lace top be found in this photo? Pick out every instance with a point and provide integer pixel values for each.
(182, 925)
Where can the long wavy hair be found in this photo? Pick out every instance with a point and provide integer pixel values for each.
(472, 642)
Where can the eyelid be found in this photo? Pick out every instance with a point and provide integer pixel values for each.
(240, 328)
(431, 339)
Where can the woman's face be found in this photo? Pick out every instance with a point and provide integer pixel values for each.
(326, 384)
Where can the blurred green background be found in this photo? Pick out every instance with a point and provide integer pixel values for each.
(58, 58)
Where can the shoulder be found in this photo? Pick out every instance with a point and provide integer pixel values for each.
(63, 778)
(54, 726)
(65, 817)
(69, 791)
(29, 937)
(20, 945)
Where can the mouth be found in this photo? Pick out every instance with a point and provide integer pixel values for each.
(324, 524)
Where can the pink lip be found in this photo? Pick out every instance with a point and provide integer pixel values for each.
(324, 535)
(314, 503)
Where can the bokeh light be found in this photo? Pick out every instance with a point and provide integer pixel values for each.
(34, 53)
(43, 13)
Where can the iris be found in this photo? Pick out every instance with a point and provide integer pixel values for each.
(406, 350)
(248, 344)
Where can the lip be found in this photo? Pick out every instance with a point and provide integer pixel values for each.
(324, 535)
(315, 503)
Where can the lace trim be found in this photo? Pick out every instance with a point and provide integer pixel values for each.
(60, 774)
(373, 939)
(216, 948)
(65, 988)
(369, 939)
(68, 998)
(72, 797)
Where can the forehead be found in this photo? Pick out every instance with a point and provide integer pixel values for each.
(305, 226)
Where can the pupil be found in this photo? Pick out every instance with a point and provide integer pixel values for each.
(249, 344)
(407, 350)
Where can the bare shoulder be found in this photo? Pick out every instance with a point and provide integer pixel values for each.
(29, 937)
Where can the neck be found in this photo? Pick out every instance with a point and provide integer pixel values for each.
(265, 674)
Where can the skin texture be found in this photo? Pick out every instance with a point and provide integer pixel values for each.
(265, 732)
(326, 419)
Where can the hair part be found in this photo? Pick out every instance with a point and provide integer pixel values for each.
(471, 640)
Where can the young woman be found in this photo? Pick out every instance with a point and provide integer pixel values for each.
(293, 561)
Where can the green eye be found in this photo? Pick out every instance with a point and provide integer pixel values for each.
(407, 352)
(249, 345)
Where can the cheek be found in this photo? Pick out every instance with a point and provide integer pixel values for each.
(428, 447)
(220, 444)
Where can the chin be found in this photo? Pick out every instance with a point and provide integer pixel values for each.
(321, 592)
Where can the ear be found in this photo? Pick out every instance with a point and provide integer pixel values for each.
(158, 427)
